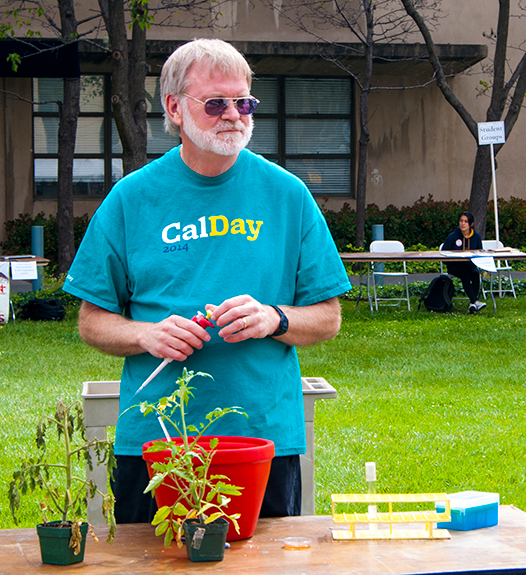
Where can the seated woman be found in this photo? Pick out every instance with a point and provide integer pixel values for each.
(466, 238)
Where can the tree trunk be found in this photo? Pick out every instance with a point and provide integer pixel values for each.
(482, 177)
(127, 82)
(500, 91)
(480, 188)
(67, 132)
(361, 183)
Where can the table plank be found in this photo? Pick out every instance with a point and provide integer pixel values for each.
(136, 551)
(430, 256)
(40, 261)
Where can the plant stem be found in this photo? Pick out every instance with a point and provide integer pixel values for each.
(183, 423)
(67, 445)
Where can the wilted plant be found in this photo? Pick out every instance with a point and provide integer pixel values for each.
(63, 491)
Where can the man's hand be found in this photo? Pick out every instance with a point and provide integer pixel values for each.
(242, 317)
(174, 337)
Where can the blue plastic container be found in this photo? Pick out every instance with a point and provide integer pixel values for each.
(471, 510)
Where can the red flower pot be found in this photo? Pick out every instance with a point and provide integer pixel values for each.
(245, 461)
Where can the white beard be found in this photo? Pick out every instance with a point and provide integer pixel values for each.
(227, 144)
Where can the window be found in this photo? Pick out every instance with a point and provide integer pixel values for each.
(304, 124)
(98, 152)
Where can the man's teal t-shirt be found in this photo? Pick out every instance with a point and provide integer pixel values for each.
(167, 240)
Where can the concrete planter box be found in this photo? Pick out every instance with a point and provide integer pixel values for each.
(101, 410)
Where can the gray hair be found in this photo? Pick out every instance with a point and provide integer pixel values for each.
(215, 52)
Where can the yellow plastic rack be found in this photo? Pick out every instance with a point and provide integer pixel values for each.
(390, 518)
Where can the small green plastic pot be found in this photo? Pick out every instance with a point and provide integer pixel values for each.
(54, 544)
(205, 542)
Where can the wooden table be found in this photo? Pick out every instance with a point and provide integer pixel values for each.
(40, 261)
(428, 256)
(136, 551)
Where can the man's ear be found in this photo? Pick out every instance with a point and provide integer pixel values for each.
(173, 109)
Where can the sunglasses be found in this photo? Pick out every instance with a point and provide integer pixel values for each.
(216, 106)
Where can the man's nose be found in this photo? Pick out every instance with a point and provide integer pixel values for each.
(231, 112)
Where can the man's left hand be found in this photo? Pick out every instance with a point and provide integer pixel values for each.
(242, 317)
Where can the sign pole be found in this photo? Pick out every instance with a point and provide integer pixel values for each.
(494, 179)
(493, 133)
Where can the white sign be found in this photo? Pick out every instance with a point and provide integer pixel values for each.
(4, 292)
(24, 271)
(491, 133)
(486, 263)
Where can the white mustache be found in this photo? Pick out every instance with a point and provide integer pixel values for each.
(229, 125)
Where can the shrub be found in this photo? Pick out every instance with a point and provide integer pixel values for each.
(19, 235)
(426, 222)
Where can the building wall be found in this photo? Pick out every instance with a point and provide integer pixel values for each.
(419, 146)
(16, 151)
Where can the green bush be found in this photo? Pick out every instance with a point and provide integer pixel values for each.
(512, 222)
(426, 222)
(19, 235)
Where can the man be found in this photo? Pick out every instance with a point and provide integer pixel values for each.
(202, 227)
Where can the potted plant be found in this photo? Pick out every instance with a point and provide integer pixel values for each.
(64, 492)
(182, 465)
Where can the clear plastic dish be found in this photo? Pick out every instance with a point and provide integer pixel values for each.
(296, 542)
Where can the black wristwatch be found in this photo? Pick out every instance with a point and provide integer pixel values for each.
(283, 323)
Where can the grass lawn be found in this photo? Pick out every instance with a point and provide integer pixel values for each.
(437, 401)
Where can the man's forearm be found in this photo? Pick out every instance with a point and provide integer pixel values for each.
(312, 324)
(109, 332)
(174, 337)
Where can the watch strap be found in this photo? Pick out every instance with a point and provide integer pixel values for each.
(283, 322)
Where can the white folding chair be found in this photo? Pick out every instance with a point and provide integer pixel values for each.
(376, 273)
(441, 262)
(502, 268)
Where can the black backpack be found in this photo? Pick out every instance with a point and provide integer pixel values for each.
(438, 294)
(43, 309)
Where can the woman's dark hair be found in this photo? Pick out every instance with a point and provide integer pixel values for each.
(469, 216)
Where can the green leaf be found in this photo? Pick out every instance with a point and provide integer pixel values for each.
(161, 514)
(180, 509)
(213, 517)
(168, 537)
(228, 489)
(162, 527)
(155, 481)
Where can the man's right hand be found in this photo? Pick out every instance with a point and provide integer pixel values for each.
(174, 337)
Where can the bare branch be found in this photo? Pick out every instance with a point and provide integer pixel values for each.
(32, 102)
(439, 71)
(517, 98)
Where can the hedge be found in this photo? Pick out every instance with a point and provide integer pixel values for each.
(19, 235)
(425, 223)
